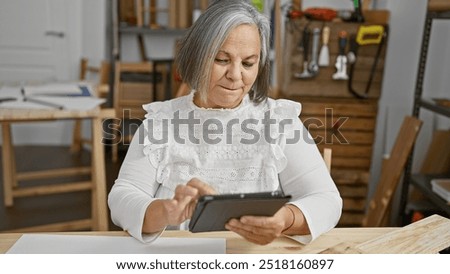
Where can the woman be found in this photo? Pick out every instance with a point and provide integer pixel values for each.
(226, 136)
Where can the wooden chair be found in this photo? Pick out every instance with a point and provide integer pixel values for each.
(133, 87)
(88, 73)
(96, 171)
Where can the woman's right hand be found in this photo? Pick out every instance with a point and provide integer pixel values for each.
(180, 208)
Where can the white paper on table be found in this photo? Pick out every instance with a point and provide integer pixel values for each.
(66, 100)
(54, 89)
(88, 244)
(68, 103)
(73, 103)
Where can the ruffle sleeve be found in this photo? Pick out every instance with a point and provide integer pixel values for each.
(156, 138)
(286, 113)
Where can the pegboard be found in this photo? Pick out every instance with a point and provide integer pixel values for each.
(322, 84)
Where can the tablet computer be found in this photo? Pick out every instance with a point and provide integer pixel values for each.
(213, 211)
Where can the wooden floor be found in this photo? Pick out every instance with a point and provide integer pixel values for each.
(30, 211)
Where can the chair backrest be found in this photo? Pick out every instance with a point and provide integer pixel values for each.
(327, 157)
(99, 75)
(132, 88)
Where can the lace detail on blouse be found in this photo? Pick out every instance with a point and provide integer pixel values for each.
(228, 163)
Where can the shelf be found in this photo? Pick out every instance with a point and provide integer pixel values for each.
(145, 30)
(430, 104)
(423, 182)
(437, 10)
(438, 5)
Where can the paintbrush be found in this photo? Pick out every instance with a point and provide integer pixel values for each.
(324, 55)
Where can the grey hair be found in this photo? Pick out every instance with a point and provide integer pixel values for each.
(200, 45)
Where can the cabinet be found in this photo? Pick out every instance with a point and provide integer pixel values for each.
(422, 182)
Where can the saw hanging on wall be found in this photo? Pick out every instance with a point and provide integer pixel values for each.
(367, 35)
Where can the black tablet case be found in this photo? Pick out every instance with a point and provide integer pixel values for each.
(213, 211)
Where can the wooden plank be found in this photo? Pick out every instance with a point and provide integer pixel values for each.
(204, 4)
(8, 165)
(377, 16)
(427, 236)
(173, 14)
(153, 15)
(357, 191)
(184, 13)
(342, 122)
(99, 208)
(342, 248)
(53, 173)
(127, 12)
(438, 5)
(279, 69)
(350, 176)
(354, 204)
(349, 150)
(437, 159)
(327, 152)
(328, 88)
(392, 172)
(52, 189)
(140, 13)
(347, 107)
(353, 163)
(351, 219)
(329, 137)
(77, 225)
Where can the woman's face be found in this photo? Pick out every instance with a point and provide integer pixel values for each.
(234, 70)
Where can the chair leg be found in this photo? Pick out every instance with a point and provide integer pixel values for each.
(116, 125)
(76, 139)
(9, 165)
(99, 208)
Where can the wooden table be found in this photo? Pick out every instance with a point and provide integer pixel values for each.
(237, 245)
(97, 184)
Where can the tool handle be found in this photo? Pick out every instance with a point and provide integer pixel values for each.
(306, 38)
(315, 45)
(342, 42)
(325, 35)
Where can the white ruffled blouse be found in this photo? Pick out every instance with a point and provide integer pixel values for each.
(251, 148)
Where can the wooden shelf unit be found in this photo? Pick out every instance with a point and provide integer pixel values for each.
(437, 9)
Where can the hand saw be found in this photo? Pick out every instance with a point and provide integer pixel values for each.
(366, 35)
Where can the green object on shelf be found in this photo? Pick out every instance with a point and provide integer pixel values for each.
(259, 4)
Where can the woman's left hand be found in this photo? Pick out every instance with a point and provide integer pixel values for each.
(259, 229)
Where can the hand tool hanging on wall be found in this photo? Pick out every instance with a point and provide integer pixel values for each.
(324, 56)
(305, 44)
(356, 15)
(313, 65)
(366, 36)
(341, 60)
(320, 14)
